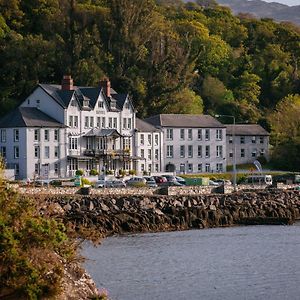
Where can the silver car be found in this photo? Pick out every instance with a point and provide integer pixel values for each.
(136, 181)
(110, 183)
(150, 181)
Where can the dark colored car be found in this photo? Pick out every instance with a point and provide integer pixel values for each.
(160, 179)
(286, 178)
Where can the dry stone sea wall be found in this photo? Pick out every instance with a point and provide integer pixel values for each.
(172, 190)
(111, 214)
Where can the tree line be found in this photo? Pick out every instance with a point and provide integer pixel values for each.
(171, 56)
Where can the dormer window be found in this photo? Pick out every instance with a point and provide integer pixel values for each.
(127, 105)
(86, 103)
(100, 104)
(73, 103)
(113, 104)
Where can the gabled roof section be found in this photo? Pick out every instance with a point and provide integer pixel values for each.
(92, 93)
(246, 129)
(143, 126)
(52, 91)
(64, 97)
(120, 99)
(28, 117)
(184, 121)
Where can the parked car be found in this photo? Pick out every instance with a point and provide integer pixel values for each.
(113, 183)
(150, 181)
(180, 180)
(160, 179)
(136, 181)
(116, 184)
(170, 183)
(211, 182)
(170, 178)
(287, 178)
(259, 179)
(100, 183)
(223, 181)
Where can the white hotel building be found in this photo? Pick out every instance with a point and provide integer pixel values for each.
(59, 129)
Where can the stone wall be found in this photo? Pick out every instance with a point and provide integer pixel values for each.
(173, 190)
(119, 214)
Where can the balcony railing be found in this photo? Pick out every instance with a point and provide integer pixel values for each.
(108, 152)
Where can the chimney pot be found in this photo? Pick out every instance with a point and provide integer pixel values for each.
(105, 84)
(67, 83)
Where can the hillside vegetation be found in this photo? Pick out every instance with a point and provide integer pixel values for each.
(172, 57)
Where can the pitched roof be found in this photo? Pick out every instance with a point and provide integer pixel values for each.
(144, 126)
(91, 93)
(63, 97)
(103, 132)
(184, 120)
(246, 129)
(120, 99)
(28, 117)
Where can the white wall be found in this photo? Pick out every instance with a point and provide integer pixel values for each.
(42, 160)
(183, 162)
(151, 164)
(249, 147)
(47, 104)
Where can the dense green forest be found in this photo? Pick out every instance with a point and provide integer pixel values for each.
(172, 57)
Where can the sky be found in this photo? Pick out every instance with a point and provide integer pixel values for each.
(287, 2)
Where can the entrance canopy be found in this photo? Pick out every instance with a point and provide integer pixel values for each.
(97, 132)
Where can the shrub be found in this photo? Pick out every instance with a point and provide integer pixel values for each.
(132, 172)
(109, 172)
(102, 295)
(145, 173)
(79, 172)
(138, 184)
(33, 248)
(262, 159)
(94, 172)
(122, 173)
(85, 181)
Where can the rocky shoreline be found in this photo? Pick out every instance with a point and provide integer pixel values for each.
(117, 214)
(111, 214)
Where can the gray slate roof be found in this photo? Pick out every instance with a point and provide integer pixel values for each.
(144, 126)
(63, 97)
(184, 121)
(103, 132)
(246, 129)
(28, 117)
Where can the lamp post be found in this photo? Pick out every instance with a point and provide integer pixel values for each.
(234, 148)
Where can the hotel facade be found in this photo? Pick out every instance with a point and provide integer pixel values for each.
(59, 129)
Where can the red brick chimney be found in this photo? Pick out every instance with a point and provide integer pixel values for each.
(105, 84)
(67, 83)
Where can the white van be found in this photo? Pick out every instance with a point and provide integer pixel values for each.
(259, 179)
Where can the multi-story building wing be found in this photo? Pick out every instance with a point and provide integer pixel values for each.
(99, 126)
(250, 142)
(33, 143)
(148, 147)
(192, 143)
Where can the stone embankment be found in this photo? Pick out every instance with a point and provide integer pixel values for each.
(111, 214)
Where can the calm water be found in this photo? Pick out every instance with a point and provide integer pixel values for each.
(259, 262)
